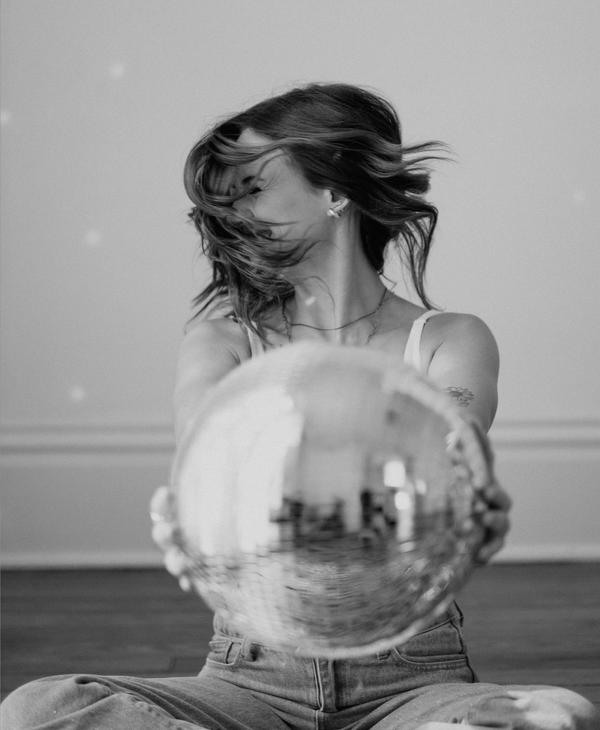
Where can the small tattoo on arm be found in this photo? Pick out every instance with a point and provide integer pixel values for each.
(462, 396)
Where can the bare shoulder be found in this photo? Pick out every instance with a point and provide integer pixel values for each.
(209, 351)
(219, 335)
(452, 327)
(451, 339)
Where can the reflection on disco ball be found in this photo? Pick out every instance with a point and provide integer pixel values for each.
(324, 500)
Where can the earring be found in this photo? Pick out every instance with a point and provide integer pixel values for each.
(338, 210)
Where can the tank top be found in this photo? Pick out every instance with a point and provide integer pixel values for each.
(412, 351)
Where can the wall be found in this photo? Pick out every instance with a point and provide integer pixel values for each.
(101, 103)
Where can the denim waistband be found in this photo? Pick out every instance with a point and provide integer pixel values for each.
(437, 654)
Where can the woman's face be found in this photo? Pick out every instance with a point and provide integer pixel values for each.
(280, 194)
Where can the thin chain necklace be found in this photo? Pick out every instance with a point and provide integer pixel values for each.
(376, 312)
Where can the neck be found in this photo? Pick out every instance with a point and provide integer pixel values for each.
(334, 286)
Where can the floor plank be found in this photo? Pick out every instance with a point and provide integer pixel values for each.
(531, 624)
(99, 622)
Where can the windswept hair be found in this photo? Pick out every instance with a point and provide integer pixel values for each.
(340, 137)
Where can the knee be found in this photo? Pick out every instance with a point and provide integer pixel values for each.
(48, 699)
(539, 708)
(24, 708)
(577, 710)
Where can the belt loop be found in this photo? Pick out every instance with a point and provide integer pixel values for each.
(246, 650)
(461, 616)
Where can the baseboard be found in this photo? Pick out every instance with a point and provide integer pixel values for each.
(563, 434)
(82, 559)
(549, 554)
(153, 559)
(78, 495)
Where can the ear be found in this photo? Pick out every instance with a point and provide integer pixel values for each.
(336, 199)
(337, 203)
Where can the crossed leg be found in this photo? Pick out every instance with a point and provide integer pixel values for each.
(85, 702)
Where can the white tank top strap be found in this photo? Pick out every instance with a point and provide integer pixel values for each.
(257, 347)
(412, 353)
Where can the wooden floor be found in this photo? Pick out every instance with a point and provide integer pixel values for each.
(525, 624)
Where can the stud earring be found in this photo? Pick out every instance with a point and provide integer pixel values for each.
(338, 210)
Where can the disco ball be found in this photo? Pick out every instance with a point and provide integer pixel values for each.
(324, 500)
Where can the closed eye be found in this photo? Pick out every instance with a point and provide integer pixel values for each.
(245, 183)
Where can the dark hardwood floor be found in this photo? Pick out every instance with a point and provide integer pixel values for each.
(535, 623)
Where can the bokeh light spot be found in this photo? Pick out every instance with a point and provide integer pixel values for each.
(93, 238)
(77, 394)
(117, 70)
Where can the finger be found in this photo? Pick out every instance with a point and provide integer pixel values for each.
(162, 534)
(176, 562)
(160, 504)
(488, 551)
(496, 497)
(469, 441)
(185, 583)
(496, 526)
(479, 465)
(479, 453)
(496, 522)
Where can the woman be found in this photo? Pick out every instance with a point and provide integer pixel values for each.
(296, 201)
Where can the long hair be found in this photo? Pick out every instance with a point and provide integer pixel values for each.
(340, 137)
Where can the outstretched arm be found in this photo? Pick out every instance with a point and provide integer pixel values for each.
(209, 350)
(465, 364)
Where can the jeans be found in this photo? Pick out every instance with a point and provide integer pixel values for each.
(246, 686)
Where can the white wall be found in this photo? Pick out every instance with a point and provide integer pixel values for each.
(102, 101)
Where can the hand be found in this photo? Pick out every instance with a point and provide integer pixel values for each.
(492, 503)
(491, 511)
(162, 512)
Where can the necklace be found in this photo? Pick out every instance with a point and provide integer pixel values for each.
(376, 312)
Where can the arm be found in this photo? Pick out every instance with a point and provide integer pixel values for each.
(209, 350)
(465, 363)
